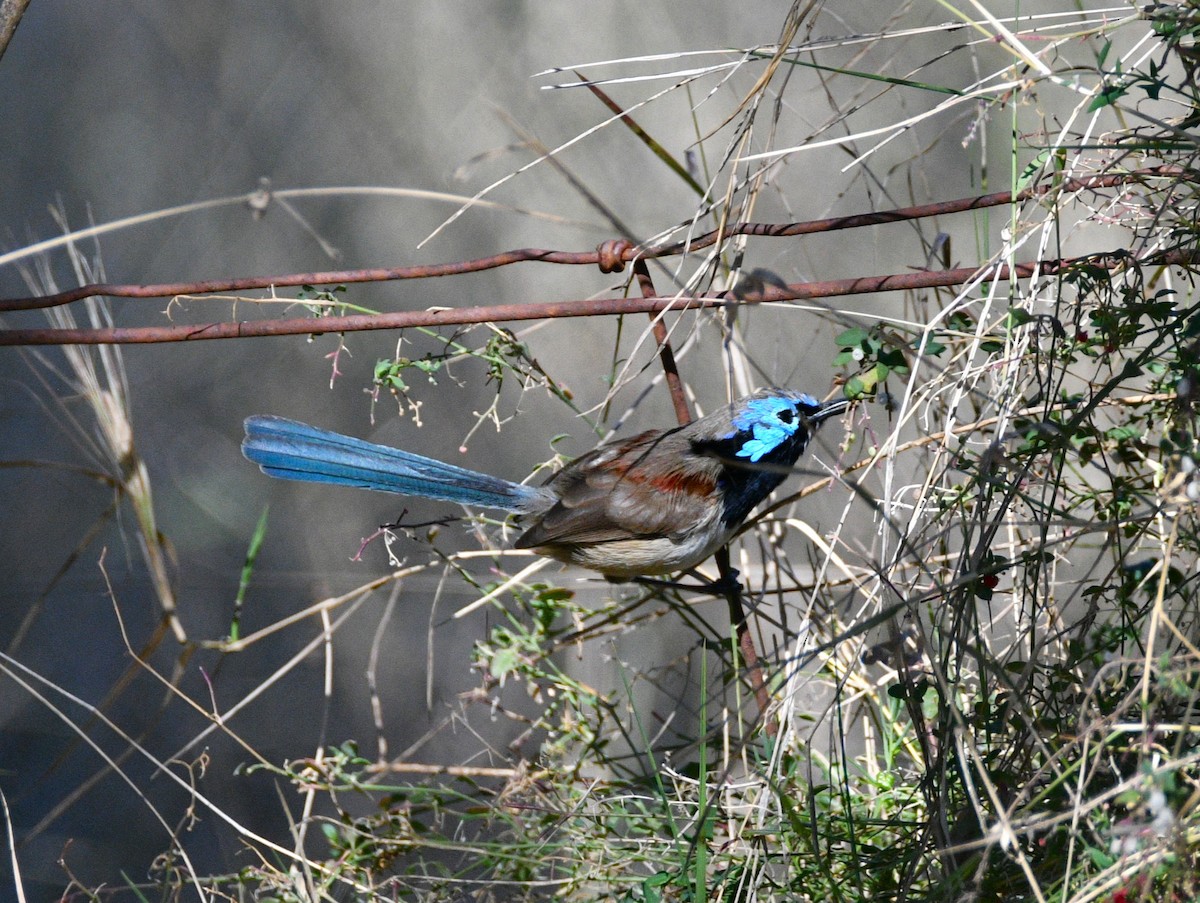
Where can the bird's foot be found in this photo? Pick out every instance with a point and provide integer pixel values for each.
(722, 586)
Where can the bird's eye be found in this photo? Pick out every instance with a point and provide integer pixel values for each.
(787, 415)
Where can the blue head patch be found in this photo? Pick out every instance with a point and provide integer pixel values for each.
(770, 420)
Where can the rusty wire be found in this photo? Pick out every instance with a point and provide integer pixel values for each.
(610, 256)
(589, 307)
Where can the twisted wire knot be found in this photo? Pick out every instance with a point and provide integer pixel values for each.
(612, 254)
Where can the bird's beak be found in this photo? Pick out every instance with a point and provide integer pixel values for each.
(830, 409)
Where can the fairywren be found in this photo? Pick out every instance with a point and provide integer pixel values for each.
(656, 503)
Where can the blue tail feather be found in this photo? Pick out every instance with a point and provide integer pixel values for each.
(295, 451)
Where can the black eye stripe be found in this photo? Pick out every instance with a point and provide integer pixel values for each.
(787, 415)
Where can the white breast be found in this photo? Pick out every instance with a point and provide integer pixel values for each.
(652, 557)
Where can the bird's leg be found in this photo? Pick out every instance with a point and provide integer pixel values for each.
(722, 586)
(737, 615)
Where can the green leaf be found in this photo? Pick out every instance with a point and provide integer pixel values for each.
(1129, 798)
(895, 361)
(1153, 85)
(991, 346)
(256, 542)
(504, 662)
(1124, 433)
(1030, 172)
(1018, 316)
(555, 594)
(863, 383)
(651, 885)
(852, 338)
(1108, 95)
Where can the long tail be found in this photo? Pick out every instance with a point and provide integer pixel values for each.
(296, 451)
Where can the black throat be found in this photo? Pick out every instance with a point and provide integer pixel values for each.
(744, 483)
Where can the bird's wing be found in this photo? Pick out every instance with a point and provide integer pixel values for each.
(649, 485)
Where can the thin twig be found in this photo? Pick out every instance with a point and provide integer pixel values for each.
(665, 353)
